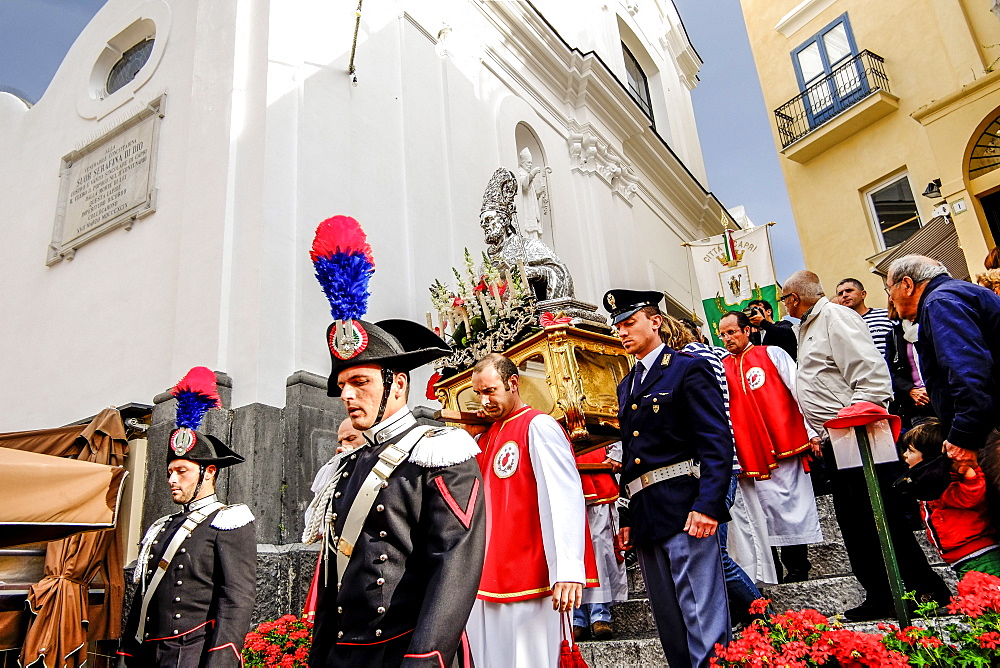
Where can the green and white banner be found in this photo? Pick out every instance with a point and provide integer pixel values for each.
(733, 268)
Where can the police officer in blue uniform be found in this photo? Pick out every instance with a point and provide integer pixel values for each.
(677, 462)
(403, 518)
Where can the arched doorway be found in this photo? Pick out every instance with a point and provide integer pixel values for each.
(982, 171)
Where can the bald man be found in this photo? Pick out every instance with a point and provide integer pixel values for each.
(838, 366)
(348, 438)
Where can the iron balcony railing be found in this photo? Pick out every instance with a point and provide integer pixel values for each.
(844, 87)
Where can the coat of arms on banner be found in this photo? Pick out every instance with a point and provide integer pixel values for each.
(736, 285)
(746, 272)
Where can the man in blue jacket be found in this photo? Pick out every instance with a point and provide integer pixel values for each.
(959, 350)
(678, 459)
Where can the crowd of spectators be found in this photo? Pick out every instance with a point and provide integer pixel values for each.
(933, 359)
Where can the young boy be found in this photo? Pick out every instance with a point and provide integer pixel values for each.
(958, 521)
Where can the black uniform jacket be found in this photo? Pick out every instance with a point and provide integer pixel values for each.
(676, 414)
(205, 598)
(414, 572)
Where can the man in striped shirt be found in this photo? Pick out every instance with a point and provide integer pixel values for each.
(851, 294)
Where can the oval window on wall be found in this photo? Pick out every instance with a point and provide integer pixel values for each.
(129, 65)
(128, 60)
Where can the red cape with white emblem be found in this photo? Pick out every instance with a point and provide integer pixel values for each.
(520, 572)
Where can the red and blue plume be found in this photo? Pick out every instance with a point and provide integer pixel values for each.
(344, 265)
(196, 394)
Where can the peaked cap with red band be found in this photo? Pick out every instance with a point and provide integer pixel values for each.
(196, 394)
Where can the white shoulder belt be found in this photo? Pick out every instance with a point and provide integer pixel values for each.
(195, 518)
(388, 460)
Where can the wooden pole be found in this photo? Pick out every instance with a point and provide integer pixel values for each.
(878, 508)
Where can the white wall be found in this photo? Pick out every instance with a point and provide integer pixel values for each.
(264, 136)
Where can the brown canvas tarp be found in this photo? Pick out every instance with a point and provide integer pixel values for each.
(63, 621)
(48, 498)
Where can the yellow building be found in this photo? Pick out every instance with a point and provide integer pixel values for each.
(874, 104)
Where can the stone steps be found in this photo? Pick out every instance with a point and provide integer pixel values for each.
(639, 652)
(644, 651)
(830, 596)
(831, 589)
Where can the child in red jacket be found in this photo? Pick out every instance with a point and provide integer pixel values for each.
(958, 521)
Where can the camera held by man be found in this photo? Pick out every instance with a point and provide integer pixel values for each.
(761, 315)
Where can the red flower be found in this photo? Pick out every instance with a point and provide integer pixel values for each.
(989, 640)
(759, 607)
(977, 593)
(909, 634)
(799, 622)
(281, 642)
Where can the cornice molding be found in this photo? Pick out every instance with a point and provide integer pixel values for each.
(530, 54)
(935, 109)
(589, 154)
(801, 14)
(676, 43)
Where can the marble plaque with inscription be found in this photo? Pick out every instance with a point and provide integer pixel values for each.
(107, 184)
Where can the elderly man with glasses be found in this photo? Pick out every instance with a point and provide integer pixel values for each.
(838, 366)
(959, 352)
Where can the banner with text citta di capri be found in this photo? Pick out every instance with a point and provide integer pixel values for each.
(733, 268)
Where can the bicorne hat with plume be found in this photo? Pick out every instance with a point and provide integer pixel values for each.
(196, 394)
(344, 265)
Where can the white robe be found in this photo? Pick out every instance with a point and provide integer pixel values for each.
(787, 496)
(526, 633)
(748, 544)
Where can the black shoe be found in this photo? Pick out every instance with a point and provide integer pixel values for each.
(942, 600)
(866, 612)
(941, 597)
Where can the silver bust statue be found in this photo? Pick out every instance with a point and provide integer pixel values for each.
(548, 275)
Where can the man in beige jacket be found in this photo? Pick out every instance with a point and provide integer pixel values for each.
(838, 366)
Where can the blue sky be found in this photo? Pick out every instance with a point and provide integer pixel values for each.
(34, 38)
(734, 126)
(733, 123)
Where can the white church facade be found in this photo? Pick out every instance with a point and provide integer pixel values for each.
(160, 199)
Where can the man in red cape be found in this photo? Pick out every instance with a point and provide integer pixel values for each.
(771, 437)
(539, 556)
(600, 493)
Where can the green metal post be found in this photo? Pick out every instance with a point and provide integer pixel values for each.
(888, 552)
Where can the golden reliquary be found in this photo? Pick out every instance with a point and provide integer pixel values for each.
(568, 372)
